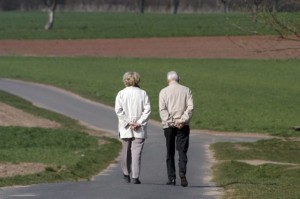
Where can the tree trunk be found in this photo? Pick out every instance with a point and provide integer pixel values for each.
(176, 5)
(254, 12)
(256, 4)
(142, 6)
(49, 24)
(226, 8)
(225, 5)
(51, 6)
(275, 5)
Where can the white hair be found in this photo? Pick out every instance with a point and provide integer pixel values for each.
(172, 75)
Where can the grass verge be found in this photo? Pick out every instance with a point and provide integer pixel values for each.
(71, 155)
(78, 25)
(229, 95)
(68, 153)
(241, 180)
(14, 101)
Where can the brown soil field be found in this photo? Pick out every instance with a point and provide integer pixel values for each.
(237, 47)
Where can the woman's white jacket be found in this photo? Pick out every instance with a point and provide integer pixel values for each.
(132, 105)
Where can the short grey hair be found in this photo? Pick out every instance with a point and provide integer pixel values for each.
(172, 75)
(131, 79)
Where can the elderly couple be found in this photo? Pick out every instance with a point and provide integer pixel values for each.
(132, 107)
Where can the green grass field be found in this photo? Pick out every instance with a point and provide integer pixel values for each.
(68, 153)
(230, 95)
(241, 180)
(78, 25)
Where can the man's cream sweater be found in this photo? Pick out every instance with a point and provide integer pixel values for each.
(175, 103)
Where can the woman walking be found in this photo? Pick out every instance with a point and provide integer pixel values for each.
(132, 107)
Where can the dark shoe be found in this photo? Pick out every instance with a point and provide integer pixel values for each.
(127, 178)
(136, 181)
(184, 181)
(171, 182)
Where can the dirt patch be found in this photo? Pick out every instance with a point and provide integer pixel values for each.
(249, 47)
(9, 169)
(241, 148)
(233, 134)
(208, 176)
(261, 162)
(10, 116)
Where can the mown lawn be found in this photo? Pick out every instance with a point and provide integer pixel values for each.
(229, 95)
(89, 25)
(68, 153)
(241, 180)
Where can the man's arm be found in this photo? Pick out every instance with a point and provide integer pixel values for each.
(163, 110)
(187, 115)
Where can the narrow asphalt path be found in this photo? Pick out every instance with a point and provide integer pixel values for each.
(108, 184)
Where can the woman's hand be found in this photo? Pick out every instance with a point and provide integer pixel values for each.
(134, 126)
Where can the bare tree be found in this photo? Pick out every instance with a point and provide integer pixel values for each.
(176, 5)
(256, 4)
(142, 6)
(51, 7)
(286, 26)
(225, 5)
(275, 4)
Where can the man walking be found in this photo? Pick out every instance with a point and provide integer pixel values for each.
(176, 109)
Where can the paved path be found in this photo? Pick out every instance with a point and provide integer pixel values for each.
(108, 184)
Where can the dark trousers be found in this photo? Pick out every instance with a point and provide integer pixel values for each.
(180, 138)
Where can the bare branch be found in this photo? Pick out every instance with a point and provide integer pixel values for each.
(51, 4)
(284, 26)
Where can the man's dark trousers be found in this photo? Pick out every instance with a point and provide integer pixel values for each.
(180, 137)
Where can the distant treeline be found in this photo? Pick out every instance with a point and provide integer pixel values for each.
(150, 5)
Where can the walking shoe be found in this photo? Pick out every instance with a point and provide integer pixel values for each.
(126, 178)
(184, 181)
(136, 181)
(171, 182)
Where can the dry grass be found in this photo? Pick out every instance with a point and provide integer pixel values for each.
(10, 169)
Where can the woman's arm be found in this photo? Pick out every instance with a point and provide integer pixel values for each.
(120, 111)
(146, 111)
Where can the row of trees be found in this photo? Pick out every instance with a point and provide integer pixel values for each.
(269, 7)
(153, 5)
